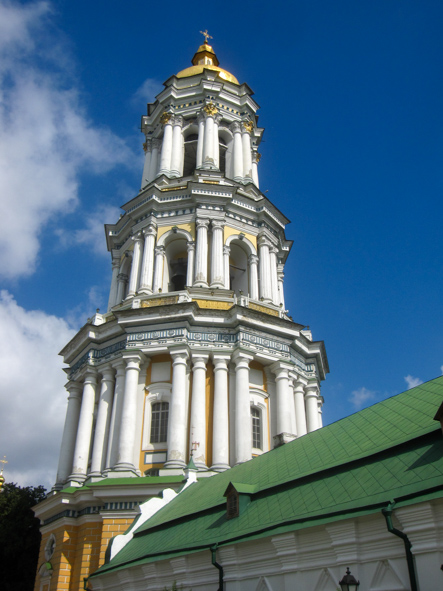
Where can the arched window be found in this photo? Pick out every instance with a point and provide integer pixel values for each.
(159, 422)
(256, 428)
(190, 157)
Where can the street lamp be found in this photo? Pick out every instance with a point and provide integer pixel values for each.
(349, 582)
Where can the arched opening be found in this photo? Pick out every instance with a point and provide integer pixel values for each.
(223, 149)
(190, 156)
(238, 268)
(176, 268)
(225, 145)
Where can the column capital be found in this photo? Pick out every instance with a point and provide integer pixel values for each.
(147, 146)
(281, 369)
(150, 230)
(235, 127)
(217, 119)
(247, 127)
(115, 263)
(107, 372)
(217, 224)
(159, 250)
(256, 157)
(311, 390)
(156, 143)
(119, 365)
(91, 375)
(199, 357)
(190, 245)
(210, 109)
(138, 237)
(202, 223)
(178, 121)
(166, 118)
(263, 240)
(134, 359)
(242, 358)
(179, 355)
(74, 389)
(226, 249)
(253, 259)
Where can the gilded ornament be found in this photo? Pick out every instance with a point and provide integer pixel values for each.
(263, 309)
(165, 118)
(159, 302)
(210, 109)
(257, 157)
(248, 125)
(145, 146)
(206, 35)
(214, 304)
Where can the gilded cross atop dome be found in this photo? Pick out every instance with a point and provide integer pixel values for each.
(206, 35)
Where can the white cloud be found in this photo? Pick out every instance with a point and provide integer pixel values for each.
(441, 369)
(46, 138)
(146, 93)
(412, 382)
(92, 234)
(32, 394)
(360, 397)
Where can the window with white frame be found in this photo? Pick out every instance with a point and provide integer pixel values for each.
(256, 428)
(159, 422)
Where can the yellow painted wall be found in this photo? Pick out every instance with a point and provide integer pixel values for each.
(228, 231)
(188, 227)
(111, 528)
(87, 553)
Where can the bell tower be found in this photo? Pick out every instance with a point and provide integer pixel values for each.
(196, 358)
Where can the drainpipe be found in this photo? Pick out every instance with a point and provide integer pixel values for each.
(409, 557)
(217, 565)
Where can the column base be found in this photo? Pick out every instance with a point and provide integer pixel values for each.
(75, 480)
(175, 464)
(121, 473)
(220, 467)
(283, 438)
(200, 284)
(124, 467)
(217, 285)
(145, 290)
(95, 477)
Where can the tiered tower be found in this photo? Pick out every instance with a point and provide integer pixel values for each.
(196, 354)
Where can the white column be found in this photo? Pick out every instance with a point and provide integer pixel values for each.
(122, 279)
(114, 283)
(153, 169)
(253, 276)
(208, 140)
(84, 431)
(265, 269)
(201, 259)
(135, 267)
(238, 152)
(217, 273)
(217, 120)
(201, 135)
(198, 410)
(167, 120)
(292, 404)
(69, 433)
(116, 415)
(147, 272)
(255, 160)
(320, 412)
(226, 255)
(311, 407)
(247, 156)
(102, 422)
(178, 423)
(125, 460)
(220, 430)
(191, 262)
(158, 269)
(177, 148)
(281, 293)
(274, 279)
(300, 412)
(243, 430)
(147, 147)
(281, 372)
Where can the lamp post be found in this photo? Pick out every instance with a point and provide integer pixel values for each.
(349, 582)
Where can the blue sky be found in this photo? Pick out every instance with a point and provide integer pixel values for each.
(350, 97)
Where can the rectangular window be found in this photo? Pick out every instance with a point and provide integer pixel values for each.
(256, 428)
(159, 422)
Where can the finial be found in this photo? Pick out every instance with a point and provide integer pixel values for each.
(206, 35)
(4, 461)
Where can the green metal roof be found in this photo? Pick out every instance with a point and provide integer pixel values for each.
(392, 450)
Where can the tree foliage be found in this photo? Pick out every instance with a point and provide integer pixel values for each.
(19, 536)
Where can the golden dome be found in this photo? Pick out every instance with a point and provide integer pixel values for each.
(205, 59)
